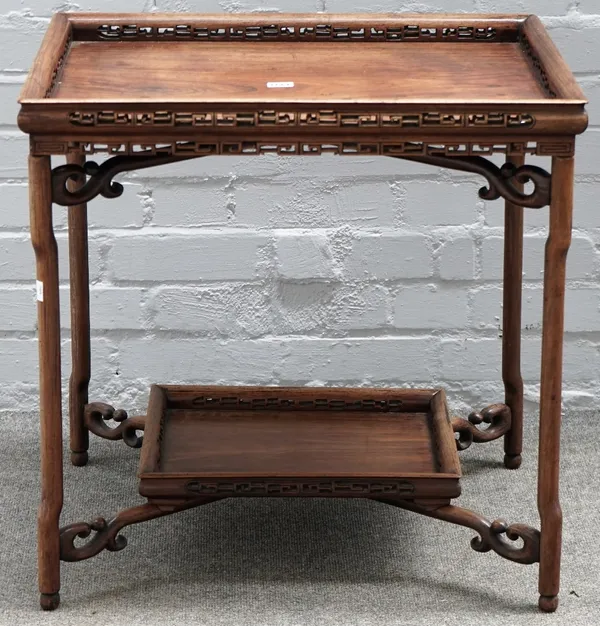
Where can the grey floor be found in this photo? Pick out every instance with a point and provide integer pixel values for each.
(290, 562)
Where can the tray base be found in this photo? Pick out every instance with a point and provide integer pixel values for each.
(251, 441)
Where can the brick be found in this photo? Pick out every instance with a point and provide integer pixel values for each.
(200, 361)
(9, 107)
(17, 260)
(457, 259)
(197, 205)
(582, 309)
(480, 359)
(19, 309)
(395, 360)
(430, 307)
(303, 256)
(579, 47)
(581, 262)
(14, 206)
(113, 308)
(587, 153)
(537, 7)
(360, 308)
(389, 256)
(585, 214)
(487, 308)
(45, 8)
(193, 257)
(532, 219)
(591, 88)
(224, 168)
(14, 150)
(442, 203)
(350, 168)
(126, 211)
(239, 6)
(314, 203)
(230, 311)
(392, 6)
(19, 362)
(21, 37)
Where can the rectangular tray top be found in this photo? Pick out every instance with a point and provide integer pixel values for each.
(242, 72)
(228, 78)
(297, 441)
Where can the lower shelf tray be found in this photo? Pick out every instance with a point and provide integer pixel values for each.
(277, 441)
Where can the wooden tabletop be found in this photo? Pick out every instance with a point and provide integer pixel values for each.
(282, 72)
(138, 77)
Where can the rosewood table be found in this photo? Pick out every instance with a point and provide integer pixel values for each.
(448, 91)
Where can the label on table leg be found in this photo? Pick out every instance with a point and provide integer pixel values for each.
(39, 290)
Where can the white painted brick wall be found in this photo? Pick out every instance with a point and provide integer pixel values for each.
(299, 270)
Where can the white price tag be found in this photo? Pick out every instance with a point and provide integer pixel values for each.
(280, 84)
(39, 290)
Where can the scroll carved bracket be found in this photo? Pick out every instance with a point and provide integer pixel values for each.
(97, 414)
(498, 535)
(94, 179)
(499, 418)
(504, 182)
(106, 534)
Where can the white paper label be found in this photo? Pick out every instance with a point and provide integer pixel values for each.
(280, 85)
(39, 290)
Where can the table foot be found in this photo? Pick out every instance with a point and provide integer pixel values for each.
(548, 604)
(512, 461)
(49, 601)
(79, 459)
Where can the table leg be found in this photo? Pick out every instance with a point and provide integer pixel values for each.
(46, 254)
(557, 247)
(511, 327)
(80, 323)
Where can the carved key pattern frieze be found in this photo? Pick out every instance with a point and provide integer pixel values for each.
(59, 66)
(312, 404)
(290, 118)
(283, 32)
(537, 66)
(564, 148)
(260, 487)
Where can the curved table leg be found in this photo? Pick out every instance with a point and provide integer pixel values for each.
(557, 247)
(79, 288)
(511, 326)
(46, 255)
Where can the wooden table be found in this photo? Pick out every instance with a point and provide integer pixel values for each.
(449, 91)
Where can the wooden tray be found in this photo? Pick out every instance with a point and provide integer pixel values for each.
(237, 83)
(270, 441)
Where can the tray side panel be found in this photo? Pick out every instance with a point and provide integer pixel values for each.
(49, 59)
(444, 435)
(547, 62)
(151, 447)
(298, 398)
(297, 27)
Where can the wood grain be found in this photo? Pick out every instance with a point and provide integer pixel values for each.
(511, 326)
(46, 255)
(232, 71)
(557, 248)
(79, 290)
